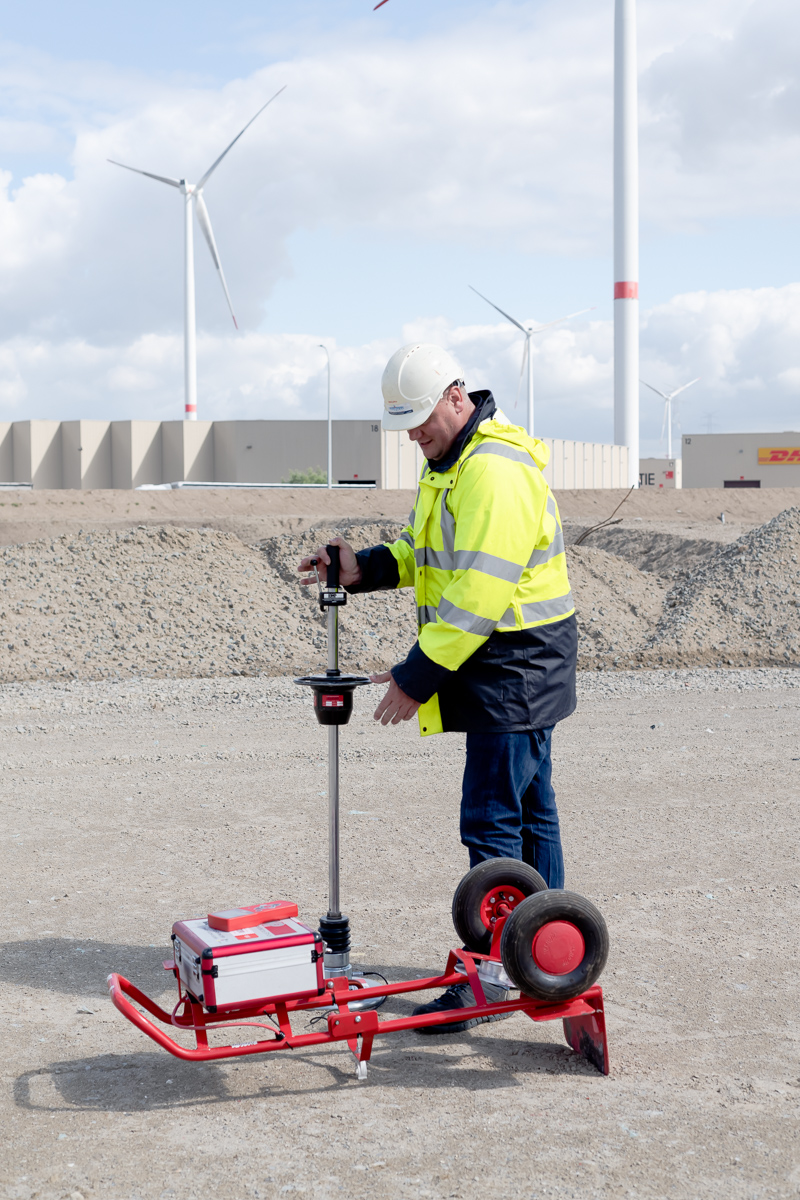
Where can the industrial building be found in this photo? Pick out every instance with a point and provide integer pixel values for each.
(130, 454)
(660, 473)
(741, 460)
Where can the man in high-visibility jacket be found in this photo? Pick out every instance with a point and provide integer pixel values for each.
(497, 646)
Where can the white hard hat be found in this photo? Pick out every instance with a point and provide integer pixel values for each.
(413, 383)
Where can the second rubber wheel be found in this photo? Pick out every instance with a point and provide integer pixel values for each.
(554, 945)
(491, 890)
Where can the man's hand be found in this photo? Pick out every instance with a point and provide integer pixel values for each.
(349, 570)
(395, 706)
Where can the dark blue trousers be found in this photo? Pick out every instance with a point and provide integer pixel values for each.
(508, 805)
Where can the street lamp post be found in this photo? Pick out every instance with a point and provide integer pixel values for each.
(330, 423)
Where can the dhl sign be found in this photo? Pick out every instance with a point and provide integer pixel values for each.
(777, 456)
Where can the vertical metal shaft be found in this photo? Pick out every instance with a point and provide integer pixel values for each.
(333, 638)
(333, 775)
(333, 821)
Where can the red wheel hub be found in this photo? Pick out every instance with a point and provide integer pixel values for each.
(558, 947)
(500, 902)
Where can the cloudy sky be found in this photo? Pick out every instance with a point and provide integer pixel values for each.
(418, 149)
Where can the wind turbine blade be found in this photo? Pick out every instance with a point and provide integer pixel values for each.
(216, 163)
(502, 314)
(678, 391)
(568, 317)
(664, 421)
(377, 6)
(204, 221)
(161, 178)
(525, 353)
(663, 395)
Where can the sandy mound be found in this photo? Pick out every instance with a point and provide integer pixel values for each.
(171, 602)
(616, 605)
(175, 602)
(652, 550)
(740, 607)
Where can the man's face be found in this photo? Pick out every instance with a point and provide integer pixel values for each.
(436, 435)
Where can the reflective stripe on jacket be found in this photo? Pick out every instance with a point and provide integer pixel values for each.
(484, 549)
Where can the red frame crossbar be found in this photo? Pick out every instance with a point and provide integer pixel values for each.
(583, 1017)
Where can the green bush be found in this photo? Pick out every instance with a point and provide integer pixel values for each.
(311, 475)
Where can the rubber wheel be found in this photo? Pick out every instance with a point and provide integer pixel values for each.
(470, 915)
(569, 952)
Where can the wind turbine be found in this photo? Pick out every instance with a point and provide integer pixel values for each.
(626, 234)
(668, 397)
(193, 194)
(529, 333)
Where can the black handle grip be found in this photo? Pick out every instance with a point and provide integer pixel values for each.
(333, 569)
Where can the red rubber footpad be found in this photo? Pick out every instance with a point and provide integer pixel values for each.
(558, 948)
(251, 915)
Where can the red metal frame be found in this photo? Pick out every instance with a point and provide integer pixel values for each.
(583, 1017)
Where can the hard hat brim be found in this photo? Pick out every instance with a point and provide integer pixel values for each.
(395, 423)
(398, 424)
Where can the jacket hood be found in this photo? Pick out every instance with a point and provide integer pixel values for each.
(500, 428)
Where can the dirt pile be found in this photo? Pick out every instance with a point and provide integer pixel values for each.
(173, 603)
(739, 607)
(652, 550)
(617, 605)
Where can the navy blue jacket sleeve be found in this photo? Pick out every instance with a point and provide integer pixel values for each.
(419, 676)
(379, 570)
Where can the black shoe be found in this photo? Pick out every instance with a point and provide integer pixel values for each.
(459, 995)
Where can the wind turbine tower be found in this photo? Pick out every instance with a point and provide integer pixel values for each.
(626, 236)
(192, 194)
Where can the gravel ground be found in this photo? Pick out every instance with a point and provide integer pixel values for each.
(679, 799)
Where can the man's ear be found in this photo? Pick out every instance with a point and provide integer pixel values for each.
(460, 399)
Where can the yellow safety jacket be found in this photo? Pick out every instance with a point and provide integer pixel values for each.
(484, 549)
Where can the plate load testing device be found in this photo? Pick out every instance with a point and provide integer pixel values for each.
(255, 971)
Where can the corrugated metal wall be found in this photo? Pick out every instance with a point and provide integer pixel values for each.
(571, 465)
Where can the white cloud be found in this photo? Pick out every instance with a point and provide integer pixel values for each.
(495, 134)
(721, 118)
(743, 345)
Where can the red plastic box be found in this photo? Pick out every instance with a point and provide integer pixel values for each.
(252, 914)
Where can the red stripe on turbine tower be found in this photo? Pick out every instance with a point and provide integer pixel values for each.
(626, 291)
